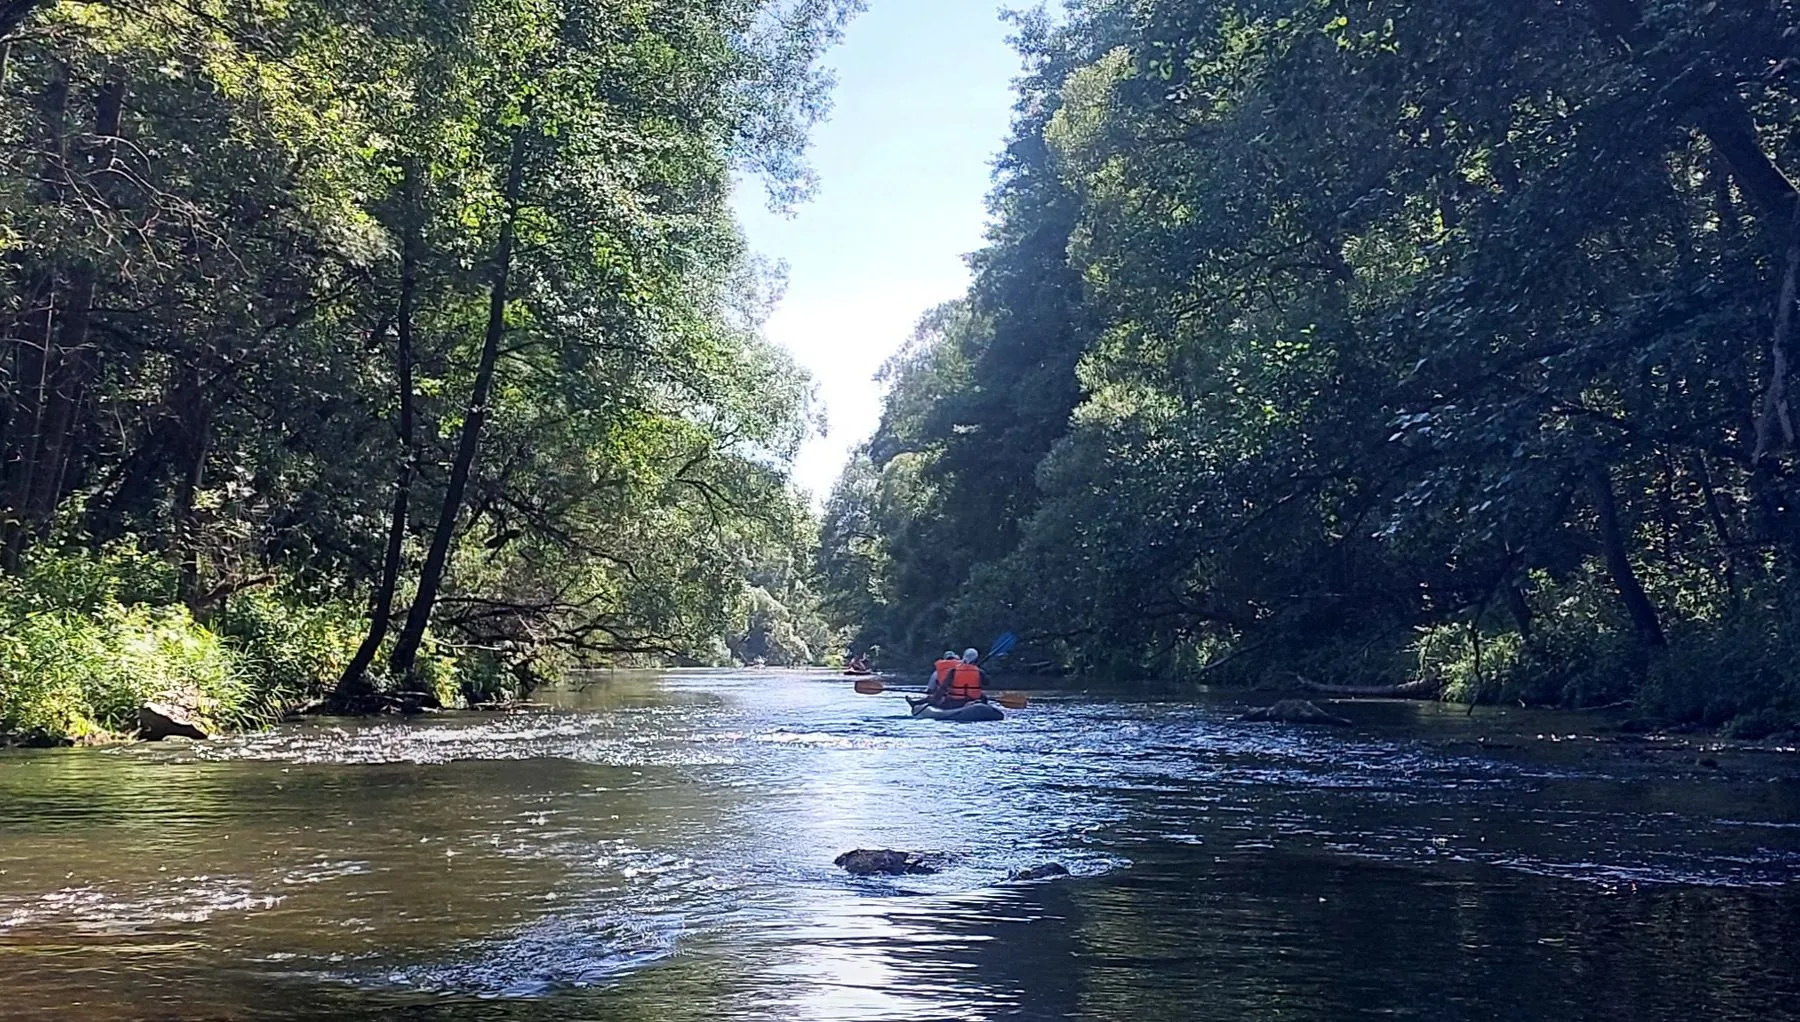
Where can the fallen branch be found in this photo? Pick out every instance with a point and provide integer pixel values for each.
(1423, 688)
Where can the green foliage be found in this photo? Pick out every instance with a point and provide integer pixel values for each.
(82, 675)
(294, 648)
(256, 295)
(1309, 332)
(1744, 668)
(90, 638)
(119, 573)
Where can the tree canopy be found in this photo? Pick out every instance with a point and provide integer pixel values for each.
(1364, 340)
(433, 307)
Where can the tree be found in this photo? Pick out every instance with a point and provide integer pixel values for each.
(1383, 322)
(433, 310)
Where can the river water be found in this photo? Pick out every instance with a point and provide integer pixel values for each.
(661, 848)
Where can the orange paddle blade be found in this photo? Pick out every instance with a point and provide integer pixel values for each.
(1012, 700)
(870, 686)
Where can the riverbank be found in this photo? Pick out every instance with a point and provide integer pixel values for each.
(88, 641)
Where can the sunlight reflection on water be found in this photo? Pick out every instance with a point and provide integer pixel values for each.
(664, 848)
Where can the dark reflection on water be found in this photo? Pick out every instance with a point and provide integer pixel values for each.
(661, 849)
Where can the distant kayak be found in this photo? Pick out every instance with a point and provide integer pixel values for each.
(973, 713)
(859, 674)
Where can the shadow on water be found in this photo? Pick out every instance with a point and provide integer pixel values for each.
(660, 848)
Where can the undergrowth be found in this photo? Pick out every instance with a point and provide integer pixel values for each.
(86, 639)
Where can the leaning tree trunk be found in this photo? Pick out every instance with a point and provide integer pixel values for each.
(1618, 561)
(431, 575)
(354, 684)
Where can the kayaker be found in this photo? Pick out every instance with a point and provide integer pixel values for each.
(859, 664)
(940, 672)
(962, 684)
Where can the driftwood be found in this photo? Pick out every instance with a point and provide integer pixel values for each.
(1424, 688)
(1294, 711)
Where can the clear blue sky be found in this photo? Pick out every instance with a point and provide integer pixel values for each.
(922, 106)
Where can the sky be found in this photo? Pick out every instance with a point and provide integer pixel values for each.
(921, 109)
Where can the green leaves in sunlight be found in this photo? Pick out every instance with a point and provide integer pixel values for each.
(252, 260)
(1365, 343)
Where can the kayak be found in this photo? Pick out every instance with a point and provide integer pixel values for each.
(973, 713)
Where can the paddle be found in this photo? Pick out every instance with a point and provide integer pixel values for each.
(1010, 700)
(1002, 646)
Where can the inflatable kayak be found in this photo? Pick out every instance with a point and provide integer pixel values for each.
(970, 714)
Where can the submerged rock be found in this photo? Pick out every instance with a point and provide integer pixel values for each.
(1043, 872)
(1294, 711)
(157, 721)
(884, 862)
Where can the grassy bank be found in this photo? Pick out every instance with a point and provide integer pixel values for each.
(87, 639)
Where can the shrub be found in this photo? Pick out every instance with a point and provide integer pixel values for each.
(293, 649)
(1747, 663)
(71, 674)
(85, 639)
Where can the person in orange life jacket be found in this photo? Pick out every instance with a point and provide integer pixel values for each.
(962, 685)
(940, 672)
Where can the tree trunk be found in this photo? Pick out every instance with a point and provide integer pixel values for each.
(1423, 688)
(21, 460)
(38, 477)
(354, 684)
(34, 341)
(1518, 607)
(70, 382)
(65, 394)
(1618, 560)
(1775, 403)
(195, 417)
(431, 575)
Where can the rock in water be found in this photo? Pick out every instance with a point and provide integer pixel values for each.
(885, 862)
(1294, 711)
(1044, 872)
(157, 721)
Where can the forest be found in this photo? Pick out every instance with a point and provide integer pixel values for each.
(1367, 343)
(393, 348)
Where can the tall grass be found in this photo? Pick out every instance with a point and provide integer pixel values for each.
(86, 639)
(75, 674)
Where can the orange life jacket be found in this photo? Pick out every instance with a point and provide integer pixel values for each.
(944, 667)
(964, 684)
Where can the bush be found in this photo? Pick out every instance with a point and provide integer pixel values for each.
(85, 639)
(77, 675)
(119, 575)
(1747, 664)
(292, 649)
(1447, 656)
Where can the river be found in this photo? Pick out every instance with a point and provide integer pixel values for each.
(660, 847)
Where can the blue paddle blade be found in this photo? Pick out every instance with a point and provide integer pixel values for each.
(1003, 645)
